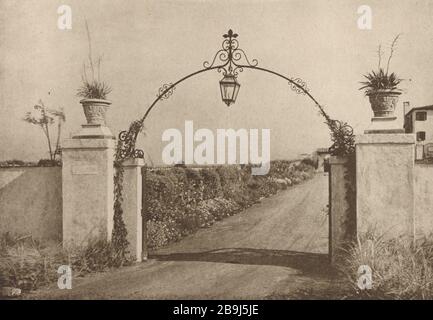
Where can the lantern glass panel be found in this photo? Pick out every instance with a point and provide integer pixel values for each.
(229, 89)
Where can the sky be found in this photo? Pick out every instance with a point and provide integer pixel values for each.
(145, 44)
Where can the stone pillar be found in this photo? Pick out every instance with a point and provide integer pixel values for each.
(88, 186)
(342, 222)
(385, 183)
(132, 205)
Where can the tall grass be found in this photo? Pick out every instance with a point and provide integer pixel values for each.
(28, 264)
(401, 268)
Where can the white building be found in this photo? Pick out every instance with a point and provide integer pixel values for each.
(321, 156)
(419, 121)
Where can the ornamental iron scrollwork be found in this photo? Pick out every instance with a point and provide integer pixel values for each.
(230, 60)
(166, 91)
(126, 144)
(298, 85)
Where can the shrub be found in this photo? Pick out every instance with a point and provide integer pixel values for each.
(160, 233)
(212, 183)
(309, 162)
(180, 200)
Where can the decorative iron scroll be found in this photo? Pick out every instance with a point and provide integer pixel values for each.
(231, 59)
(166, 91)
(298, 85)
(126, 147)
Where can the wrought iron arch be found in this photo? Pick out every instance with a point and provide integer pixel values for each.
(230, 60)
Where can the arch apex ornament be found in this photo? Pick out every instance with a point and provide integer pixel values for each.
(230, 34)
(231, 59)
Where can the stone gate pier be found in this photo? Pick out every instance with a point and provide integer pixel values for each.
(88, 190)
(88, 186)
(394, 192)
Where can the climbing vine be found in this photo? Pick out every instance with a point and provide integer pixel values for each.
(125, 149)
(118, 238)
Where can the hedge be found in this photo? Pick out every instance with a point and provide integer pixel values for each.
(180, 200)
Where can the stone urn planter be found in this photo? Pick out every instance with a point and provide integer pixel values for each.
(383, 102)
(95, 110)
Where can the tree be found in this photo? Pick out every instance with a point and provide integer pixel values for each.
(45, 118)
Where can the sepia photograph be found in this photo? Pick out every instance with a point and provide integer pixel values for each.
(217, 155)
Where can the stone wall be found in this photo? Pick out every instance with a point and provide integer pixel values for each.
(31, 202)
(423, 199)
(394, 192)
(385, 184)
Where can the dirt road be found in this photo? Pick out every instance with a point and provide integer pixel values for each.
(275, 249)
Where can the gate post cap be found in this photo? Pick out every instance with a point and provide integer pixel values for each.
(133, 162)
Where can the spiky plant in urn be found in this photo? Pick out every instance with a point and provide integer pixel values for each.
(382, 88)
(94, 93)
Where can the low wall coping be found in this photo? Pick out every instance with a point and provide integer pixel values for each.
(392, 138)
(88, 144)
(423, 164)
(35, 166)
(133, 162)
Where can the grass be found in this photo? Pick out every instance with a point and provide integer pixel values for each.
(93, 90)
(401, 268)
(29, 264)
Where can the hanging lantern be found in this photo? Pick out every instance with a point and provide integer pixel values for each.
(229, 89)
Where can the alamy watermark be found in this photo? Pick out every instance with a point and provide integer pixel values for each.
(65, 278)
(365, 19)
(242, 147)
(64, 21)
(365, 278)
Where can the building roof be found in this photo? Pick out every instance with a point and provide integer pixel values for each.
(322, 150)
(430, 107)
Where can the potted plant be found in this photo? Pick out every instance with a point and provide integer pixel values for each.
(93, 91)
(382, 88)
(94, 103)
